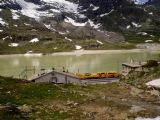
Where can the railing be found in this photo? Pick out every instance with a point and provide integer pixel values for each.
(24, 73)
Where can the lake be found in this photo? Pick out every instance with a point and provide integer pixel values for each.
(91, 62)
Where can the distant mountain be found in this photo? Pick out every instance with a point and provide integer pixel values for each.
(66, 23)
(153, 2)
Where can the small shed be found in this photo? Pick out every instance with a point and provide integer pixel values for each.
(127, 67)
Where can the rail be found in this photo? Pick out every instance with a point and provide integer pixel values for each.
(24, 73)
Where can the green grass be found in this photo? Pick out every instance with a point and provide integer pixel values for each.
(20, 93)
(49, 101)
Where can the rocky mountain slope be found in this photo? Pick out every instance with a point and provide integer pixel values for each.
(55, 25)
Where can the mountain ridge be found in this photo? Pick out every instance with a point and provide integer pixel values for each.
(78, 22)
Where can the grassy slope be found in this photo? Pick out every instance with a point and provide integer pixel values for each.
(74, 102)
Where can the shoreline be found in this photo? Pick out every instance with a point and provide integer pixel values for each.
(82, 52)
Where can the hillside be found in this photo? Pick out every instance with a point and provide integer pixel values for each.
(20, 99)
(61, 26)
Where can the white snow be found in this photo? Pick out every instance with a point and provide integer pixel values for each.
(2, 22)
(66, 38)
(95, 26)
(128, 26)
(5, 37)
(10, 37)
(16, 25)
(154, 83)
(147, 41)
(136, 25)
(31, 10)
(73, 22)
(142, 33)
(151, 13)
(1, 30)
(151, 35)
(56, 11)
(13, 45)
(78, 47)
(30, 54)
(55, 48)
(49, 27)
(95, 8)
(27, 24)
(140, 118)
(14, 15)
(0, 10)
(100, 42)
(63, 5)
(62, 33)
(30, 51)
(102, 15)
(34, 40)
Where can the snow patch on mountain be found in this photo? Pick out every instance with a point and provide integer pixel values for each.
(14, 15)
(66, 38)
(29, 9)
(78, 47)
(136, 25)
(5, 38)
(73, 22)
(64, 5)
(13, 45)
(55, 11)
(102, 15)
(128, 26)
(2, 22)
(95, 26)
(95, 8)
(50, 28)
(99, 42)
(34, 40)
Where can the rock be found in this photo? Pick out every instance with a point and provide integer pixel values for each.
(38, 112)
(135, 109)
(10, 108)
(61, 111)
(103, 97)
(123, 99)
(135, 91)
(155, 92)
(76, 104)
(139, 86)
(1, 88)
(2, 107)
(85, 113)
(69, 102)
(25, 108)
(9, 92)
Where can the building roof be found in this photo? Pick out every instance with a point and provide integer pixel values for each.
(134, 64)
